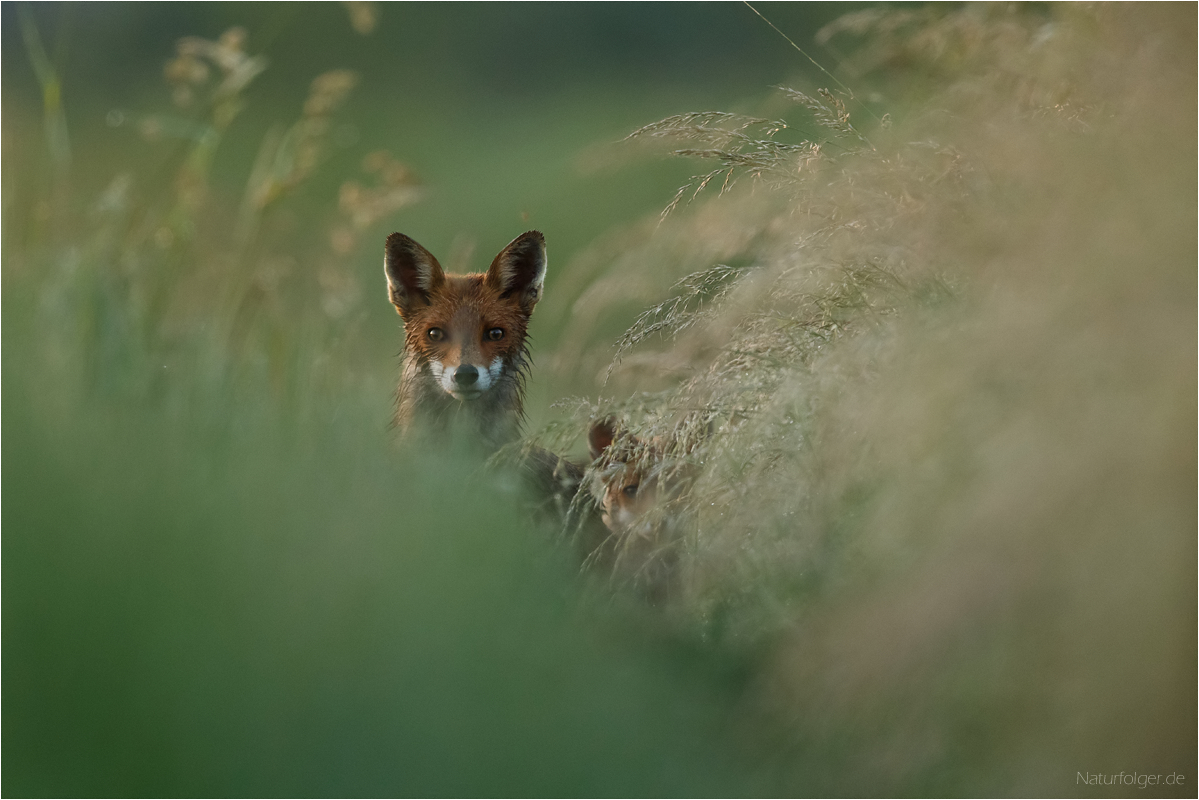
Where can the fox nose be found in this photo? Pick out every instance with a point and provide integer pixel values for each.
(466, 375)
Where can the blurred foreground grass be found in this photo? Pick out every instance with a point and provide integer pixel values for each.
(234, 606)
(941, 540)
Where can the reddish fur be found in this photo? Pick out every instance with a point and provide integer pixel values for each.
(464, 308)
(627, 487)
(633, 475)
(630, 477)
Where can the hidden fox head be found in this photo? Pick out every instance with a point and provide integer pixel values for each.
(639, 484)
(626, 480)
(465, 335)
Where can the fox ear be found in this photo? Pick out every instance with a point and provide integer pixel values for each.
(519, 270)
(601, 436)
(412, 273)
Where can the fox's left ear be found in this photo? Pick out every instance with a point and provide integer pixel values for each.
(519, 270)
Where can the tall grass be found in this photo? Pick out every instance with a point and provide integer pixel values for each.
(935, 370)
(927, 353)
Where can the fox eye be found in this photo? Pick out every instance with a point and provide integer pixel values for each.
(495, 334)
(436, 334)
(630, 490)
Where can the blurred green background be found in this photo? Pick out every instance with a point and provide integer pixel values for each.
(502, 111)
(510, 117)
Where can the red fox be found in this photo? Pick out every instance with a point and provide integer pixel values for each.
(465, 346)
(638, 485)
(636, 482)
(626, 481)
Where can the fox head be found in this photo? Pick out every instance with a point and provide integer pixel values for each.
(466, 334)
(626, 485)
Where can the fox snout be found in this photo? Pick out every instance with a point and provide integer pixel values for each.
(467, 381)
(466, 376)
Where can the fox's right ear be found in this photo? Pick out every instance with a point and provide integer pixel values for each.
(412, 273)
(601, 436)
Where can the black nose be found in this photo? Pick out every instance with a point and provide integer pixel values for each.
(466, 375)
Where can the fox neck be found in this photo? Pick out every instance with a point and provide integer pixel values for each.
(496, 416)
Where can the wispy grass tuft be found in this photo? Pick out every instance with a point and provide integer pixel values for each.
(934, 390)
